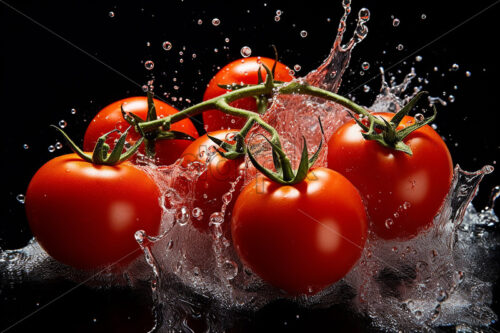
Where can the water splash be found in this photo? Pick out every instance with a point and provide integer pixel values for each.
(393, 96)
(329, 75)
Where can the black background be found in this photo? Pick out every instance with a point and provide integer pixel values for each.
(89, 59)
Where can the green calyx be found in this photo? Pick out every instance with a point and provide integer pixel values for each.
(159, 133)
(262, 100)
(230, 151)
(386, 133)
(284, 174)
(101, 155)
(238, 149)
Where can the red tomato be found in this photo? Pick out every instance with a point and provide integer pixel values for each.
(86, 215)
(216, 180)
(300, 238)
(403, 193)
(241, 71)
(109, 118)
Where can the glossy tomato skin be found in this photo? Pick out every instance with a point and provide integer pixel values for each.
(403, 193)
(216, 180)
(86, 215)
(300, 238)
(109, 118)
(241, 71)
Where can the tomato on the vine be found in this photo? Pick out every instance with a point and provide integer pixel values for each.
(241, 71)
(110, 118)
(403, 193)
(216, 180)
(303, 237)
(86, 215)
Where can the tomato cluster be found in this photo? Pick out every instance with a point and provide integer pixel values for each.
(299, 236)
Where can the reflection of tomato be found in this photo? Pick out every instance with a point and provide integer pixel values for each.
(242, 71)
(216, 180)
(403, 193)
(86, 215)
(300, 238)
(109, 118)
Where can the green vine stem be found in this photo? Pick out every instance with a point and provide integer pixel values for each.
(385, 133)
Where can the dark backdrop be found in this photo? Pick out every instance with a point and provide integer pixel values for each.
(56, 56)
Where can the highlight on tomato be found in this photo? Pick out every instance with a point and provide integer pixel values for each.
(85, 215)
(213, 185)
(302, 237)
(239, 72)
(167, 151)
(403, 191)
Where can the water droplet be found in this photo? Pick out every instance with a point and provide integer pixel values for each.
(149, 65)
(303, 34)
(216, 219)
(389, 223)
(364, 14)
(25, 146)
(454, 67)
(227, 197)
(442, 296)
(246, 51)
(400, 47)
(182, 216)
(278, 12)
(51, 149)
(277, 18)
(197, 213)
(423, 16)
(459, 277)
(366, 88)
(145, 88)
(230, 136)
(418, 314)
(58, 145)
(418, 58)
(211, 151)
(297, 67)
(468, 74)
(200, 22)
(73, 111)
(395, 22)
(365, 66)
(436, 312)
(406, 205)
(62, 123)
(419, 117)
(215, 22)
(451, 98)
(230, 269)
(111, 14)
(20, 198)
(167, 46)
